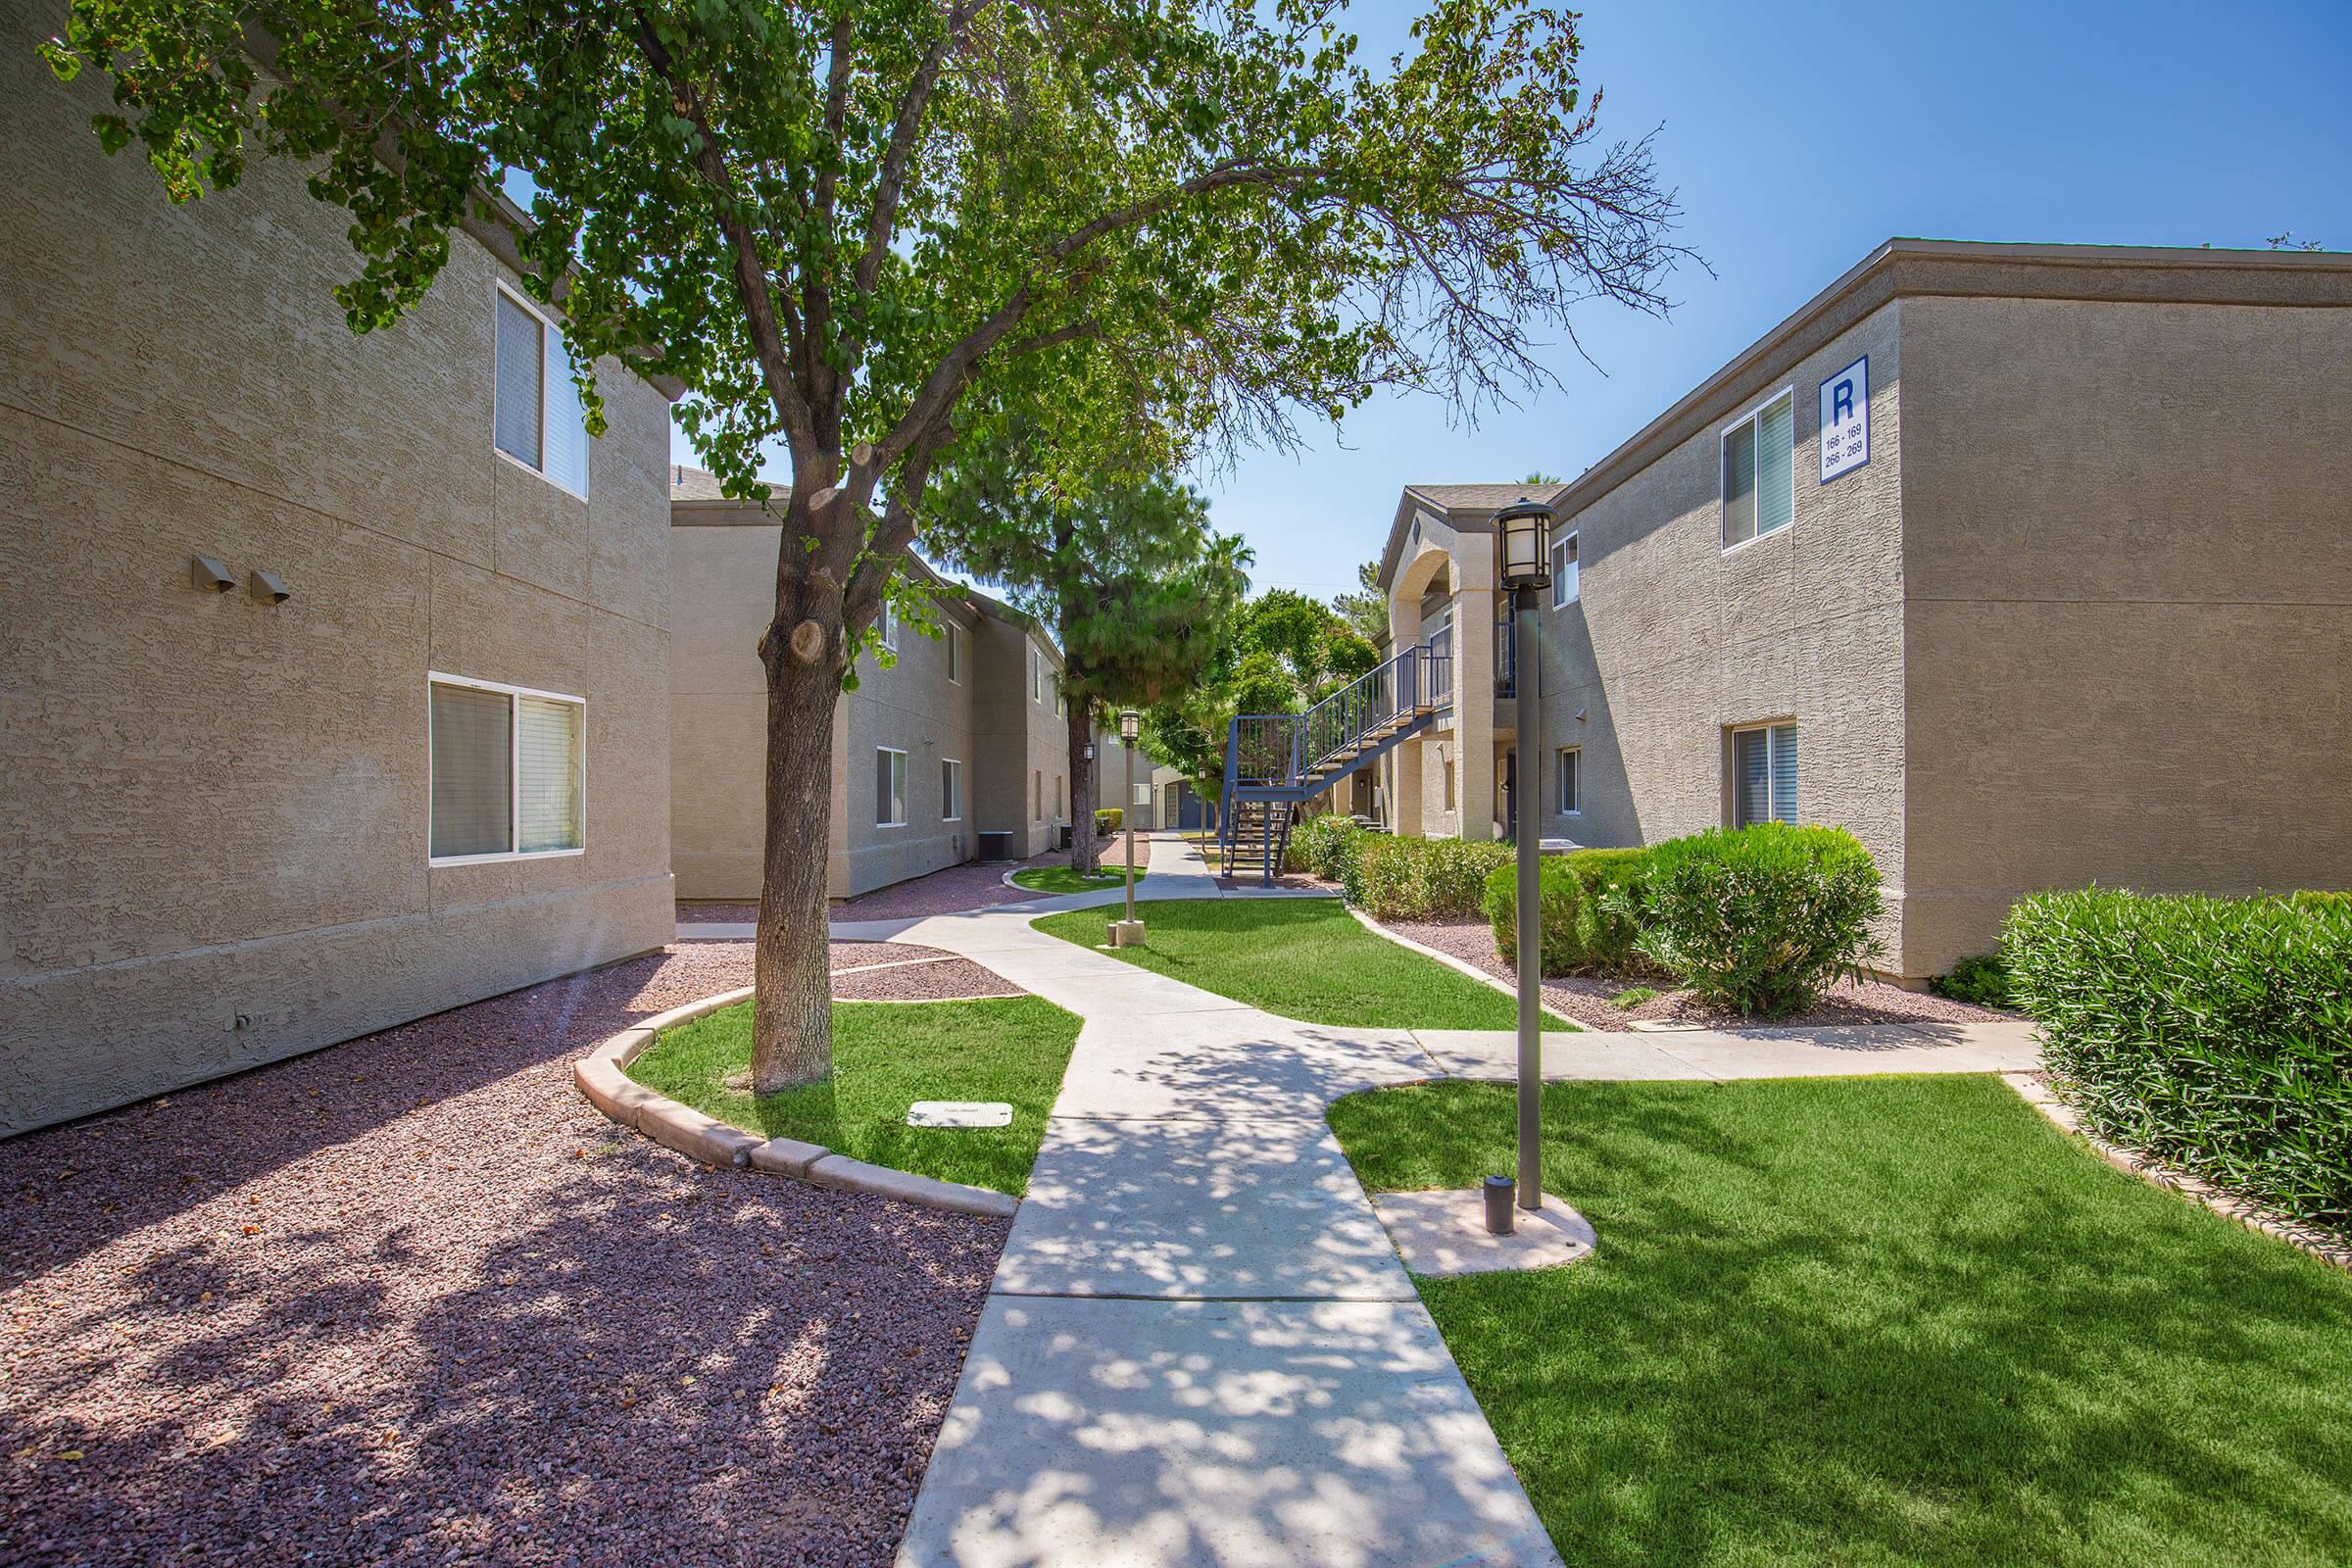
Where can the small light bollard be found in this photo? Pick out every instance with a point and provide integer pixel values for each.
(1500, 1217)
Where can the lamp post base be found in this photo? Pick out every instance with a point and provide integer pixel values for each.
(1126, 933)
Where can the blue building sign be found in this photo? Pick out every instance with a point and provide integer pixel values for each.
(1845, 420)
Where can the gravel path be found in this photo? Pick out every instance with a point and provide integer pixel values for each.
(1586, 1000)
(901, 972)
(410, 1300)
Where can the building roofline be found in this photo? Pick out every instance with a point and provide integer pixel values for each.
(1904, 267)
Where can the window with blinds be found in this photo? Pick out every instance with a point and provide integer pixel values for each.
(547, 783)
(509, 771)
(1569, 796)
(538, 418)
(1564, 581)
(890, 787)
(1764, 775)
(1759, 473)
(472, 789)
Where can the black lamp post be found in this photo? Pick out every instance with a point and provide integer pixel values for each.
(1129, 932)
(1524, 532)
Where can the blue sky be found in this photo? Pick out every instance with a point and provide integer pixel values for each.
(1799, 135)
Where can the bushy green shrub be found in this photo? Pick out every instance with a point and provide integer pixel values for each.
(1982, 980)
(2215, 1034)
(1323, 844)
(1757, 918)
(1107, 822)
(1581, 935)
(1419, 879)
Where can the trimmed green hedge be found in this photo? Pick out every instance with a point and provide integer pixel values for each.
(2215, 1034)
(1420, 879)
(1108, 821)
(1758, 919)
(1580, 934)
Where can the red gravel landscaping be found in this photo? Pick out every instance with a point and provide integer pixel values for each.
(901, 972)
(1586, 1000)
(413, 1299)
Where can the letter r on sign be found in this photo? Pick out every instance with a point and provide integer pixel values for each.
(1841, 402)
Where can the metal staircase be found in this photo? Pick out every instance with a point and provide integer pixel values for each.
(1275, 760)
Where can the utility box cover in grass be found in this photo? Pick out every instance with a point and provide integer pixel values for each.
(959, 1113)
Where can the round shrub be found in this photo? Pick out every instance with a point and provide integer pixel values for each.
(1420, 879)
(1758, 919)
(1106, 822)
(1323, 844)
(1982, 980)
(1581, 934)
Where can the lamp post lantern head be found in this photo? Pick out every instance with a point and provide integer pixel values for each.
(1131, 724)
(1525, 529)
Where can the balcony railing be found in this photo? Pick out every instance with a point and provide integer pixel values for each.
(1278, 749)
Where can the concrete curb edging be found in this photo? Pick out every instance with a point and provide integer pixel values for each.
(1458, 965)
(2036, 1091)
(601, 1077)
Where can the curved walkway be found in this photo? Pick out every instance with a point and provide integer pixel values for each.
(1200, 1347)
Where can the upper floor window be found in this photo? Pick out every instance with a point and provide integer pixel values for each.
(1564, 584)
(509, 771)
(537, 415)
(1759, 471)
(1036, 674)
(890, 625)
(956, 653)
(1764, 774)
(1061, 700)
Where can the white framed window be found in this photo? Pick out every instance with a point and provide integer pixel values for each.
(1143, 795)
(1564, 584)
(954, 653)
(1759, 471)
(1568, 787)
(890, 625)
(951, 789)
(890, 787)
(1449, 786)
(1058, 812)
(508, 772)
(1036, 674)
(536, 415)
(1037, 785)
(1061, 700)
(1764, 774)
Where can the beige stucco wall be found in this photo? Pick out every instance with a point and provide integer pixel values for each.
(1018, 736)
(2129, 558)
(213, 834)
(1674, 640)
(723, 556)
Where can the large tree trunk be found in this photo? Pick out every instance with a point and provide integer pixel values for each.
(792, 1024)
(1086, 850)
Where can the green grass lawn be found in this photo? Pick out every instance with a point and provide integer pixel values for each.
(1061, 879)
(1884, 1320)
(887, 1055)
(1304, 958)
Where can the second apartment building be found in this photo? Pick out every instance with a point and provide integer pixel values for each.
(2029, 564)
(956, 751)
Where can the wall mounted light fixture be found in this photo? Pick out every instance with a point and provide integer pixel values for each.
(205, 572)
(268, 587)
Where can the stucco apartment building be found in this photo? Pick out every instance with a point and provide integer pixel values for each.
(954, 751)
(336, 668)
(2030, 565)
